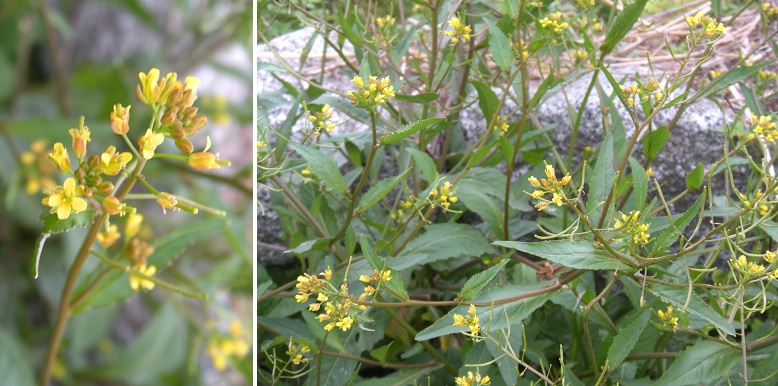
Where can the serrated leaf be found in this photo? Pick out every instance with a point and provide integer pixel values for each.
(475, 284)
(52, 225)
(443, 241)
(502, 315)
(372, 259)
(628, 336)
(427, 168)
(677, 297)
(499, 45)
(695, 178)
(324, 168)
(381, 189)
(581, 254)
(379, 354)
(409, 129)
(487, 100)
(654, 141)
(639, 183)
(704, 362)
(424, 98)
(623, 24)
(672, 232)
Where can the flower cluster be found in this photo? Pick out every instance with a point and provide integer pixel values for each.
(584, 4)
(631, 93)
(765, 79)
(319, 120)
(472, 380)
(374, 280)
(470, 321)
(653, 90)
(297, 353)
(771, 11)
(764, 127)
(445, 197)
(554, 22)
(338, 313)
(745, 267)
(551, 185)
(461, 31)
(404, 205)
(667, 319)
(221, 347)
(519, 49)
(630, 224)
(709, 26)
(501, 125)
(579, 55)
(762, 208)
(372, 94)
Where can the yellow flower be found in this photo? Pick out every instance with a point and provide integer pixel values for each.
(470, 321)
(167, 201)
(112, 162)
(109, 237)
(218, 356)
(112, 206)
(345, 323)
(388, 20)
(80, 137)
(769, 256)
(132, 226)
(554, 21)
(65, 199)
(60, 158)
(667, 318)
(460, 31)
(472, 380)
(120, 119)
(149, 142)
(138, 282)
(152, 89)
(206, 161)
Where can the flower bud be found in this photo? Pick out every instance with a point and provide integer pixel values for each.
(132, 226)
(177, 133)
(199, 122)
(105, 188)
(59, 158)
(206, 161)
(93, 161)
(112, 206)
(184, 145)
(120, 119)
(168, 118)
(80, 138)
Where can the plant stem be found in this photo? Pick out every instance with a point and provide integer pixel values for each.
(65, 308)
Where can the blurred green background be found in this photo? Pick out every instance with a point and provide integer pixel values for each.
(63, 59)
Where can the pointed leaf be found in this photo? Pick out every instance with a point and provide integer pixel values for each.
(695, 178)
(625, 341)
(623, 24)
(381, 189)
(704, 362)
(601, 182)
(654, 141)
(427, 168)
(52, 224)
(426, 97)
(476, 283)
(672, 232)
(323, 167)
(581, 254)
(409, 129)
(499, 45)
(487, 100)
(639, 183)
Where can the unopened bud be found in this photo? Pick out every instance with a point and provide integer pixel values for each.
(93, 161)
(199, 122)
(184, 145)
(168, 118)
(177, 133)
(105, 188)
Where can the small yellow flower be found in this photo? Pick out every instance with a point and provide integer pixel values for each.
(554, 21)
(167, 201)
(667, 318)
(112, 206)
(149, 142)
(472, 380)
(344, 323)
(80, 137)
(112, 162)
(206, 161)
(132, 226)
(60, 158)
(108, 237)
(460, 31)
(137, 282)
(769, 257)
(65, 199)
(470, 321)
(120, 119)
(152, 89)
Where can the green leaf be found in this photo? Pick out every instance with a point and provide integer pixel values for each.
(427, 168)
(379, 354)
(423, 98)
(499, 44)
(323, 167)
(506, 148)
(601, 182)
(285, 130)
(481, 190)
(672, 232)
(475, 284)
(310, 245)
(52, 225)
(395, 283)
(443, 241)
(771, 228)
(615, 85)
(409, 129)
(654, 141)
(372, 259)
(535, 157)
(581, 255)
(639, 183)
(734, 76)
(487, 100)
(675, 100)
(501, 315)
(622, 26)
(381, 189)
(628, 336)
(704, 362)
(547, 84)
(695, 177)
(677, 297)
(354, 152)
(348, 30)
